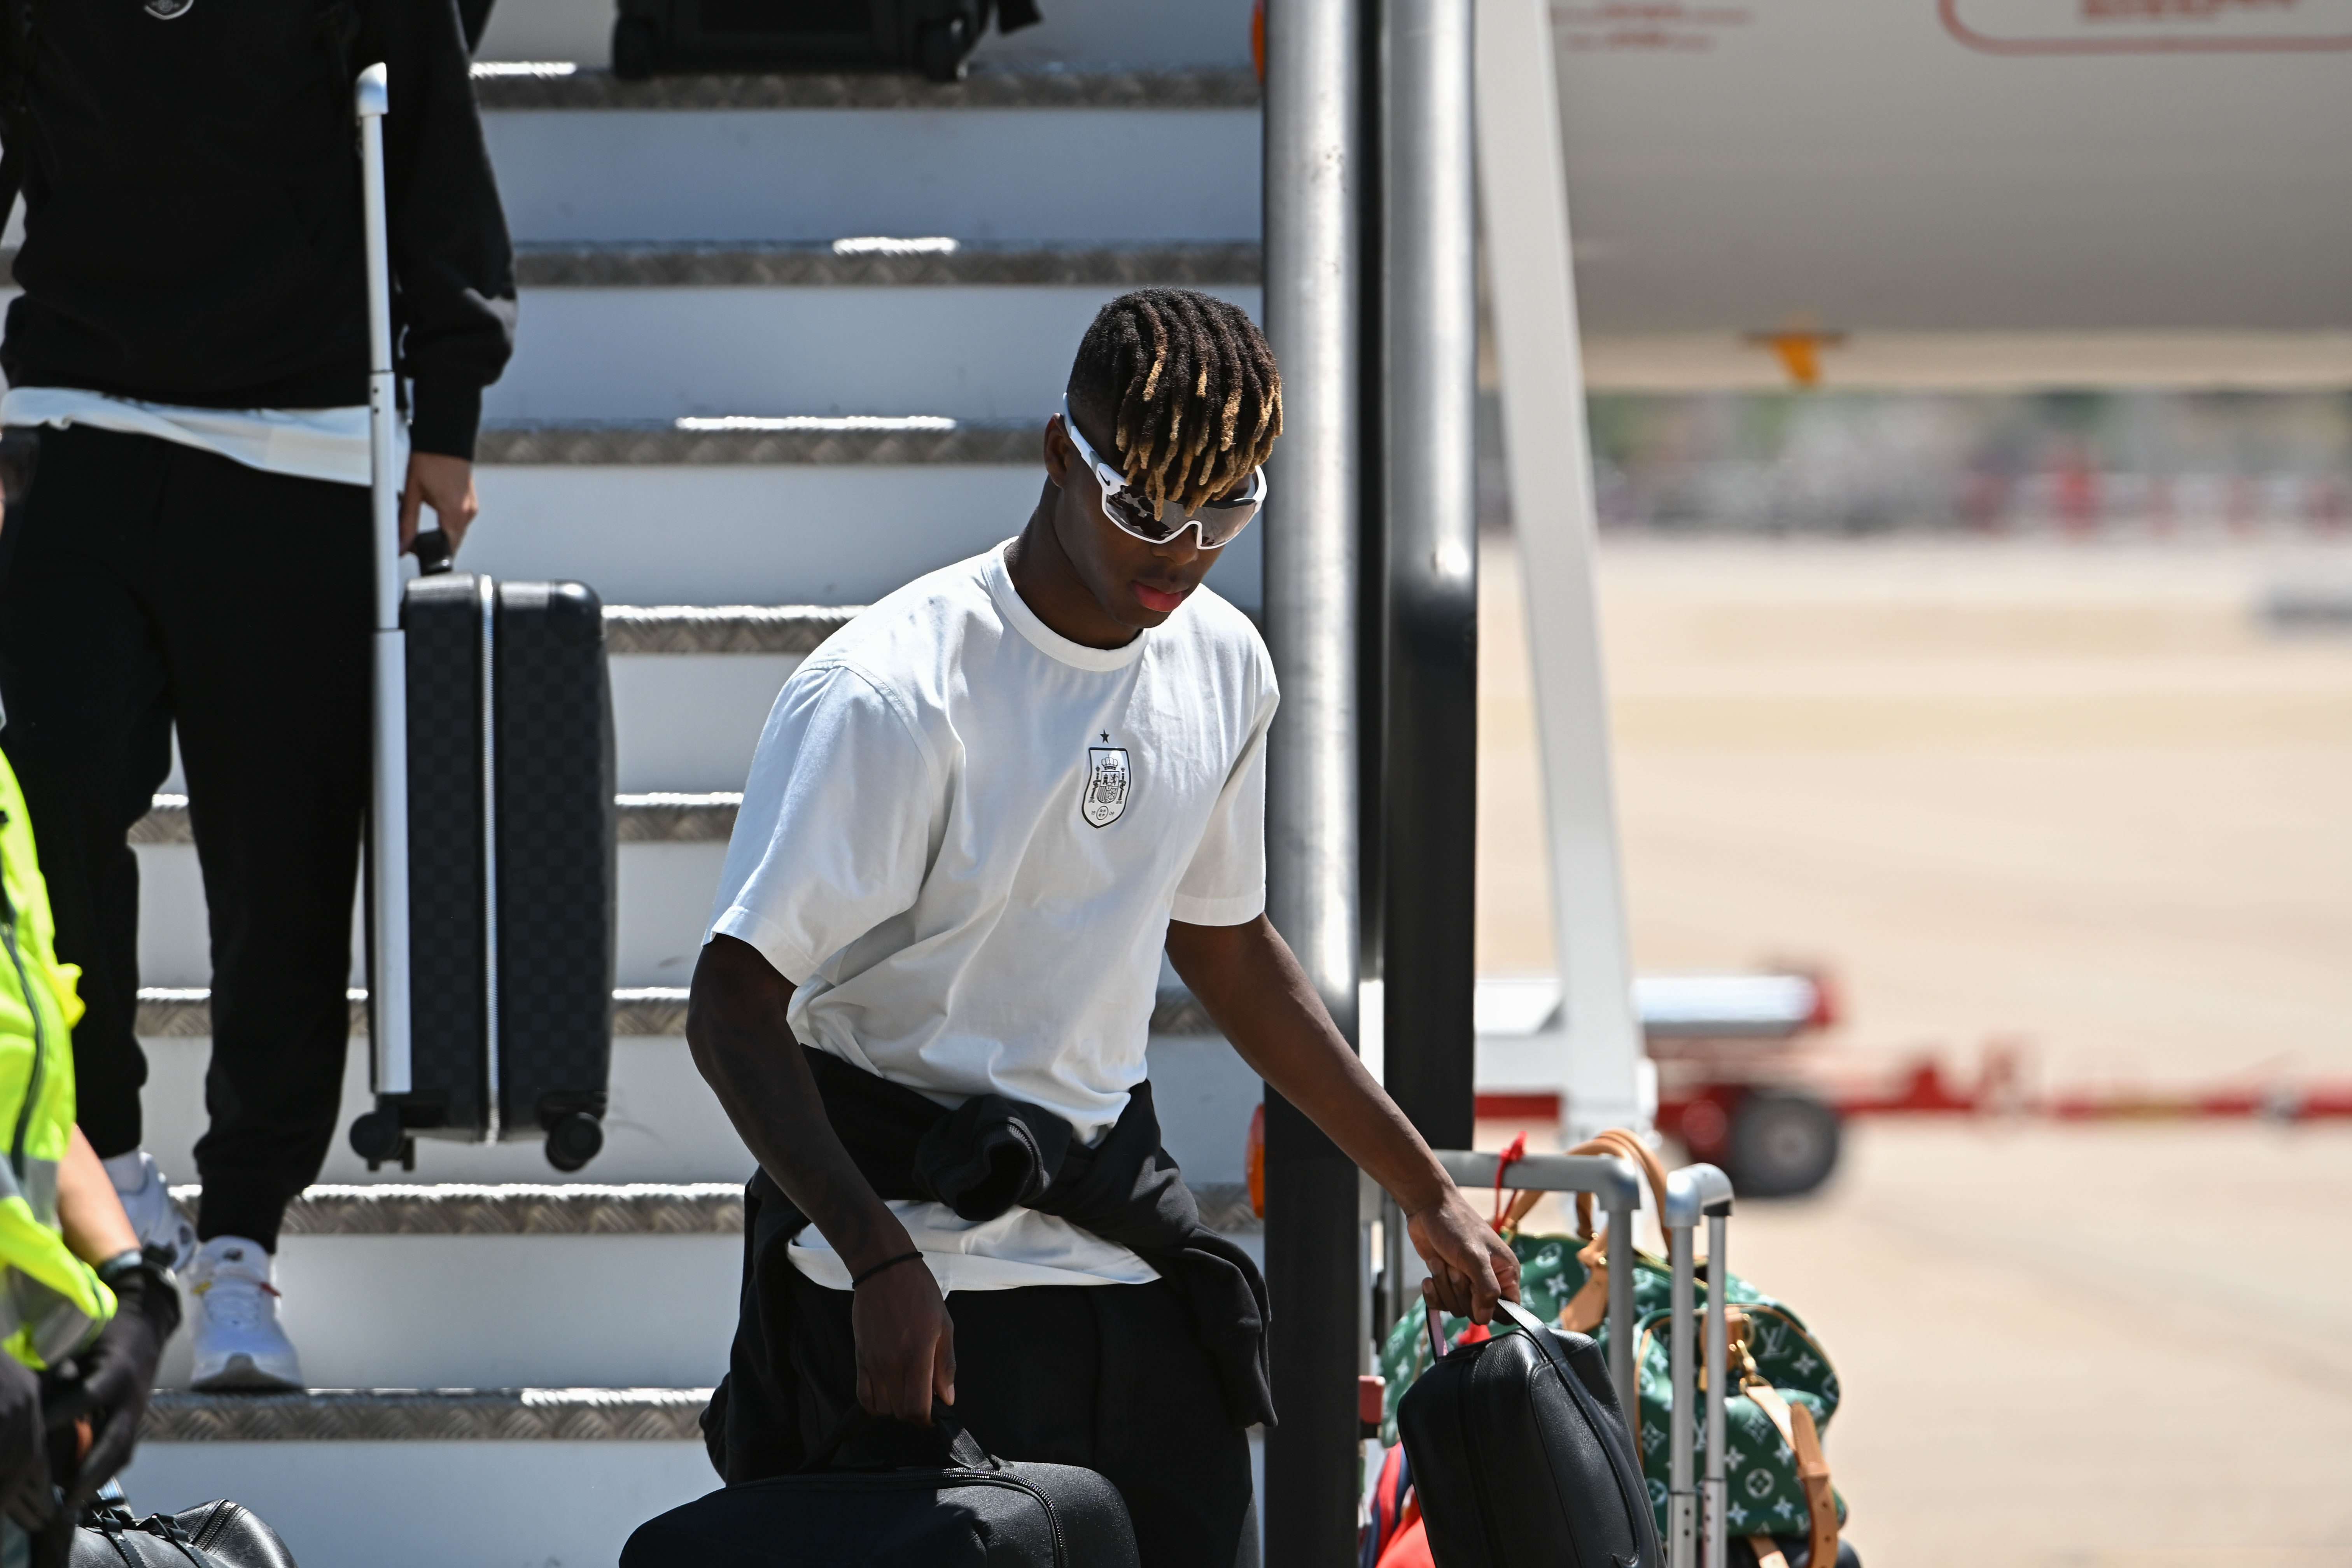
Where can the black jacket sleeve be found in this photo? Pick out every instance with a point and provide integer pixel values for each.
(452, 263)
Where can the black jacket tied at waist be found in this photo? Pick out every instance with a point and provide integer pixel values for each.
(980, 1160)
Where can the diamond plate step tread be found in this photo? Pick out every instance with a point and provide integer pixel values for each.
(461, 1208)
(431, 1416)
(850, 441)
(722, 628)
(561, 85)
(636, 1209)
(662, 817)
(168, 1012)
(821, 264)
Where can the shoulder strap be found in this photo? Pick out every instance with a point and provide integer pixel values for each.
(1804, 1440)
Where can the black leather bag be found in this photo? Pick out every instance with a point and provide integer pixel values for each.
(975, 1512)
(212, 1536)
(1520, 1456)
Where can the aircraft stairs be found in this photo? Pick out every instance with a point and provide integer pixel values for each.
(731, 423)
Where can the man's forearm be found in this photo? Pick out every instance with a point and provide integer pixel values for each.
(1259, 997)
(735, 1026)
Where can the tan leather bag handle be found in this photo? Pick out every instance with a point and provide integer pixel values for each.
(1804, 1440)
(1585, 1311)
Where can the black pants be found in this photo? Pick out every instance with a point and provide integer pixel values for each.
(144, 584)
(1109, 1376)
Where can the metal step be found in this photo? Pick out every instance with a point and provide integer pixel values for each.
(565, 85)
(652, 512)
(1158, 155)
(465, 1478)
(400, 1284)
(994, 352)
(579, 1208)
(663, 1123)
(658, 818)
(882, 262)
(168, 1013)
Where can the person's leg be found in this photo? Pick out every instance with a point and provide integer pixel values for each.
(1162, 1435)
(89, 730)
(1107, 1376)
(267, 637)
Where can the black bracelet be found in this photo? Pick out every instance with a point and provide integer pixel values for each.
(858, 1279)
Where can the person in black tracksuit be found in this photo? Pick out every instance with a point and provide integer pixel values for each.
(189, 352)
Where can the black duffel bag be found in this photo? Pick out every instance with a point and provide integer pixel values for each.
(975, 1509)
(211, 1536)
(1520, 1454)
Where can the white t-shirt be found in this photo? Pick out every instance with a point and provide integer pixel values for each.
(328, 444)
(962, 839)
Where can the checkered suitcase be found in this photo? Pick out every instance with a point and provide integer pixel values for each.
(492, 851)
(512, 870)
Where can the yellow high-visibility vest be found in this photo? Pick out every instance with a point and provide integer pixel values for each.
(51, 1302)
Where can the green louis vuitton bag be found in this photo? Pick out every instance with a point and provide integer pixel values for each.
(1787, 1389)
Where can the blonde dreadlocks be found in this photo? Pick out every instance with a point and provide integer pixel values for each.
(1190, 387)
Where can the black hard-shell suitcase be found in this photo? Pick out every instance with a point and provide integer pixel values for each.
(929, 36)
(513, 866)
(1520, 1456)
(975, 1511)
(492, 831)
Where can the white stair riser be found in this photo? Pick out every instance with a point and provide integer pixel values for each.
(1199, 32)
(690, 722)
(737, 534)
(765, 534)
(453, 1505)
(967, 351)
(665, 892)
(1098, 175)
(663, 1124)
(504, 1312)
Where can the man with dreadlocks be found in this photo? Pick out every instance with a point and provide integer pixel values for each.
(977, 815)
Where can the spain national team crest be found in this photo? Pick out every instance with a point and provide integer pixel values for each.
(1107, 782)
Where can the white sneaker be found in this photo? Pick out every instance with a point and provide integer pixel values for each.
(160, 1224)
(238, 1343)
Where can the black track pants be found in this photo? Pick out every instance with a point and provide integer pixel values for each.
(1109, 1376)
(144, 584)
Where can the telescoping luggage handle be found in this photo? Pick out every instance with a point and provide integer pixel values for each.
(388, 985)
(1693, 1193)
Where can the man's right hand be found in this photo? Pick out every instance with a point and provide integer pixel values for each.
(906, 1344)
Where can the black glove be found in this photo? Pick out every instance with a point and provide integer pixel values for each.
(117, 1370)
(25, 1495)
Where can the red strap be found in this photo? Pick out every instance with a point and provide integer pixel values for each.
(1515, 1151)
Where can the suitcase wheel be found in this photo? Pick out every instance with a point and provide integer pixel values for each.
(573, 1140)
(378, 1137)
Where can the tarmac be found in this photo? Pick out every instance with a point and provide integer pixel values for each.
(2074, 797)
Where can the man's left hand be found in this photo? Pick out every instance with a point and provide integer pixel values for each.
(118, 1376)
(446, 485)
(1470, 1266)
